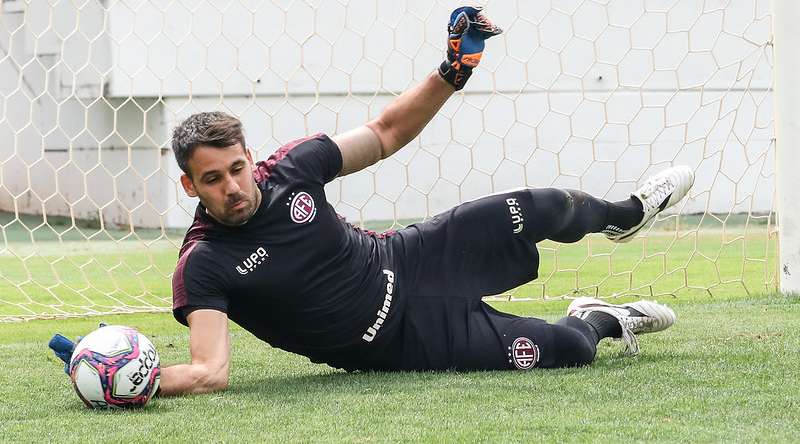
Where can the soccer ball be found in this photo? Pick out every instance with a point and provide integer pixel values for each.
(115, 366)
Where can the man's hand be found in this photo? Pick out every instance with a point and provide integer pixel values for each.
(408, 114)
(63, 347)
(468, 29)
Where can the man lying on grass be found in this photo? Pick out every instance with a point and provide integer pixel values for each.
(269, 252)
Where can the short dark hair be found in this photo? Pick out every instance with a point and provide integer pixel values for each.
(215, 129)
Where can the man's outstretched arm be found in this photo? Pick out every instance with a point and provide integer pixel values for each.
(408, 114)
(397, 125)
(209, 345)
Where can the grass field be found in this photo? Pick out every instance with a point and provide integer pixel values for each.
(726, 372)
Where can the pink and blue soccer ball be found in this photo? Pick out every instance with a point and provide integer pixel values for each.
(115, 366)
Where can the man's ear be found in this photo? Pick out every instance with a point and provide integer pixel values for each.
(188, 186)
(249, 155)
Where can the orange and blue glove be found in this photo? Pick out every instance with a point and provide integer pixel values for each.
(468, 29)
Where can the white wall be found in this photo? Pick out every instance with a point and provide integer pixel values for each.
(591, 94)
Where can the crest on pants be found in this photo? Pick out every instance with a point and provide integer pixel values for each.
(523, 353)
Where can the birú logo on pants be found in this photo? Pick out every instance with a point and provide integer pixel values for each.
(516, 214)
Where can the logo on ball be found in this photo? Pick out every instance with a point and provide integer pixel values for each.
(302, 208)
(523, 353)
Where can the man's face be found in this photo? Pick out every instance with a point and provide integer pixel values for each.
(223, 180)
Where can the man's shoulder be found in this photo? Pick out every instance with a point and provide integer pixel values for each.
(291, 155)
(194, 252)
(198, 280)
(199, 268)
(198, 245)
(198, 230)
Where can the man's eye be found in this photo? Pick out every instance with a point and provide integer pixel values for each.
(211, 180)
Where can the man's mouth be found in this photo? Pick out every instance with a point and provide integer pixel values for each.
(239, 205)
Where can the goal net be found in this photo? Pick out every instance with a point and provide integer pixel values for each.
(586, 94)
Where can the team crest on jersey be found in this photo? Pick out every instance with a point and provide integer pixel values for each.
(302, 208)
(523, 353)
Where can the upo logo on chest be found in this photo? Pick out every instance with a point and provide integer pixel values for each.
(302, 208)
(254, 260)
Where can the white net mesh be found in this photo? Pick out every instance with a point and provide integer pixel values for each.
(587, 94)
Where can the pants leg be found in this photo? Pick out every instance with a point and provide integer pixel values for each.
(488, 246)
(485, 247)
(460, 334)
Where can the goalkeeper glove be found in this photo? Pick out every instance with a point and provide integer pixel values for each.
(63, 348)
(468, 29)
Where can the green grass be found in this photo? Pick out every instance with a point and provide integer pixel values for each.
(726, 372)
(71, 267)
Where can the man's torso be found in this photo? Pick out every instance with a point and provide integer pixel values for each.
(296, 275)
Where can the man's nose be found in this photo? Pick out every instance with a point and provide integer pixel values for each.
(231, 187)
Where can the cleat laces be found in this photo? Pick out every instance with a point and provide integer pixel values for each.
(659, 194)
(629, 339)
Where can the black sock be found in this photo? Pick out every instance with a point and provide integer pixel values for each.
(605, 325)
(625, 214)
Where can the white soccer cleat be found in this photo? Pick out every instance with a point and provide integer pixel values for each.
(634, 318)
(658, 193)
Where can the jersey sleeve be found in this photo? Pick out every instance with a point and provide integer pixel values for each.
(318, 158)
(196, 285)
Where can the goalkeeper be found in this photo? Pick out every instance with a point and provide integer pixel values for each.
(269, 252)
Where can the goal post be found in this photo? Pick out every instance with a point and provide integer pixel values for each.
(787, 129)
(586, 94)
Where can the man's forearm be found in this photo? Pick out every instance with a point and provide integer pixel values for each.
(407, 115)
(191, 378)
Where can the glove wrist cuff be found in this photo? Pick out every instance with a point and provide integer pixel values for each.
(456, 77)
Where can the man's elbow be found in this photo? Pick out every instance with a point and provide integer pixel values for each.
(212, 380)
(217, 384)
(387, 136)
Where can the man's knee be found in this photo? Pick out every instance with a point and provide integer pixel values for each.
(552, 200)
(535, 343)
(567, 215)
(570, 347)
(554, 209)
